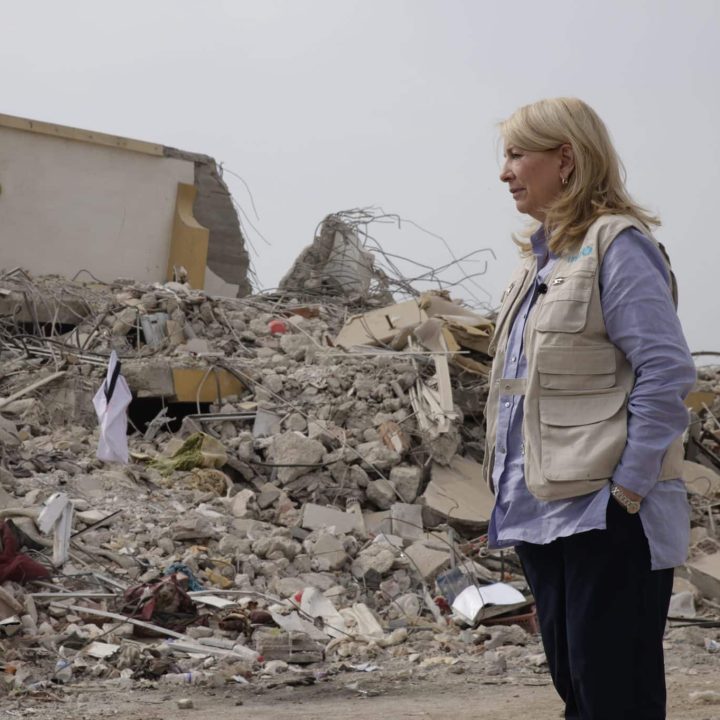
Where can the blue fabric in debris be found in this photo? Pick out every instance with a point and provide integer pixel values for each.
(193, 583)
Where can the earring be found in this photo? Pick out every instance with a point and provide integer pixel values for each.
(564, 180)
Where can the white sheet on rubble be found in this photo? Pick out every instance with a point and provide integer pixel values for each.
(111, 402)
(473, 599)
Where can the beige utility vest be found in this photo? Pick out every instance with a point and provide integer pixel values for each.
(578, 382)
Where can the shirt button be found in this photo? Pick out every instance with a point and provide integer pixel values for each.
(507, 404)
(502, 449)
(514, 359)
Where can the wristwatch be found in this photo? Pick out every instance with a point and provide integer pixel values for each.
(631, 506)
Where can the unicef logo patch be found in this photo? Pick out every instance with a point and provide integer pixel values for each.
(584, 252)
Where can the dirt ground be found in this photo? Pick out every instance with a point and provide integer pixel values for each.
(441, 695)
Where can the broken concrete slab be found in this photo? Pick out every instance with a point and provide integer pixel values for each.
(376, 456)
(457, 495)
(295, 455)
(327, 552)
(406, 521)
(316, 517)
(373, 562)
(377, 522)
(290, 647)
(427, 558)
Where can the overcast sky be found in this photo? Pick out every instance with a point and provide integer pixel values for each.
(324, 105)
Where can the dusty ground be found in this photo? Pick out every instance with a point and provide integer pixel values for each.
(456, 693)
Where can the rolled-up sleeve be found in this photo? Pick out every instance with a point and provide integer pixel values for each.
(641, 321)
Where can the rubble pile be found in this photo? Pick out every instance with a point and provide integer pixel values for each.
(302, 486)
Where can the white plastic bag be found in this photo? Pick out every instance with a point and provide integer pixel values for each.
(111, 402)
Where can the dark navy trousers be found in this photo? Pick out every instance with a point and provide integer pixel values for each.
(602, 614)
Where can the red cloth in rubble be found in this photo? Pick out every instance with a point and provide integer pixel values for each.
(13, 564)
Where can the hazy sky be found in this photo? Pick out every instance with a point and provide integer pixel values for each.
(324, 105)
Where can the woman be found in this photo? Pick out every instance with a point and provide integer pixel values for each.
(585, 415)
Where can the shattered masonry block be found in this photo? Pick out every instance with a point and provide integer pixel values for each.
(293, 449)
(295, 345)
(269, 493)
(327, 552)
(290, 647)
(406, 479)
(381, 493)
(240, 504)
(373, 562)
(426, 560)
(376, 456)
(406, 521)
(317, 517)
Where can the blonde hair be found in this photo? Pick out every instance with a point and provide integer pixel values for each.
(595, 187)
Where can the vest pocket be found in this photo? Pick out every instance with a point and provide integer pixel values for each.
(576, 368)
(582, 435)
(564, 307)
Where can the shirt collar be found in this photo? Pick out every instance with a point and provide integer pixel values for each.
(538, 241)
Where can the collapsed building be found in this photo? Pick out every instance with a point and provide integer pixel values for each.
(74, 200)
(303, 478)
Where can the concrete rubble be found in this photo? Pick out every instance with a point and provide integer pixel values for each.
(290, 500)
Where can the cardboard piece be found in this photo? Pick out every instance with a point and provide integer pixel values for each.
(469, 329)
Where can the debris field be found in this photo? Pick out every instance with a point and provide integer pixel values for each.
(295, 493)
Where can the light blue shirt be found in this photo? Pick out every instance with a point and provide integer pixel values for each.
(642, 322)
